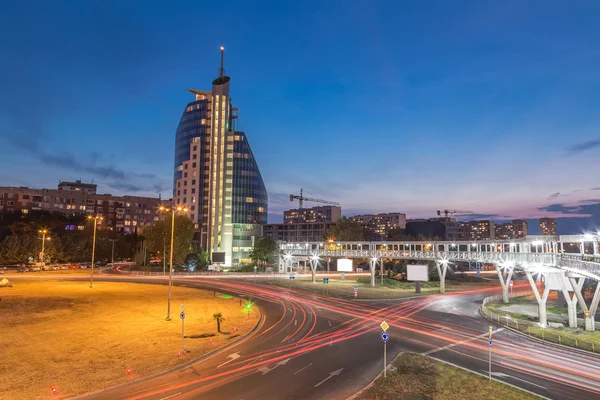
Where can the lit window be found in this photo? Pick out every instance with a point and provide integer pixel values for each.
(24, 211)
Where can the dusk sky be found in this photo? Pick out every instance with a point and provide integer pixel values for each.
(491, 106)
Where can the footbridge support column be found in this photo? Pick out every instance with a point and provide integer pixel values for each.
(541, 300)
(570, 300)
(504, 283)
(442, 268)
(314, 263)
(372, 266)
(589, 314)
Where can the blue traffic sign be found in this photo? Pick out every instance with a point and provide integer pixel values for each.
(292, 277)
(182, 315)
(355, 288)
(490, 342)
(325, 280)
(384, 336)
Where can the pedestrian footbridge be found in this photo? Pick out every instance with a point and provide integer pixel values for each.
(563, 261)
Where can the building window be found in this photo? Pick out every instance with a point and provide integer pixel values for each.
(193, 165)
(24, 211)
(194, 156)
(185, 174)
(195, 148)
(184, 191)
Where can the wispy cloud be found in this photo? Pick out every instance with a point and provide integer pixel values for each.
(580, 147)
(553, 195)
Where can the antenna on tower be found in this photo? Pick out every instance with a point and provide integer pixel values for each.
(222, 70)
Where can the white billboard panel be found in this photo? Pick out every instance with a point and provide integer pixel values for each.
(417, 273)
(553, 282)
(344, 265)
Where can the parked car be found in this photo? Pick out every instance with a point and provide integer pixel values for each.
(47, 268)
(55, 267)
(35, 268)
(64, 267)
(100, 263)
(74, 266)
(23, 268)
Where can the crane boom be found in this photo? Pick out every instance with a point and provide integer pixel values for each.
(301, 199)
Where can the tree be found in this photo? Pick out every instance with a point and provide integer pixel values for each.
(264, 250)
(345, 230)
(219, 318)
(197, 261)
(396, 235)
(18, 249)
(159, 235)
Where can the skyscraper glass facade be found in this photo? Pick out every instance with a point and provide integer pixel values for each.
(216, 177)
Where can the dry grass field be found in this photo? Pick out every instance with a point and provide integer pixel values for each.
(76, 339)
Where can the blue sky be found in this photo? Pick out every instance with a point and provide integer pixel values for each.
(382, 106)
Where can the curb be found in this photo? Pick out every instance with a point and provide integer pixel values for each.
(538, 340)
(176, 368)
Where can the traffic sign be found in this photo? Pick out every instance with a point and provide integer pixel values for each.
(182, 315)
(384, 325)
(325, 280)
(490, 342)
(384, 336)
(182, 307)
(510, 284)
(356, 288)
(292, 277)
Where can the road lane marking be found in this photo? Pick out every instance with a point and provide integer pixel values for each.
(302, 369)
(232, 357)
(459, 343)
(173, 395)
(329, 323)
(331, 375)
(503, 375)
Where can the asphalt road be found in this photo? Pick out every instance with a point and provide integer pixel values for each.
(311, 347)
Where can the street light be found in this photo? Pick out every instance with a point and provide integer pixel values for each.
(96, 219)
(173, 210)
(43, 232)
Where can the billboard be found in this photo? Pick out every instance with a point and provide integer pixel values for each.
(218, 257)
(417, 273)
(344, 265)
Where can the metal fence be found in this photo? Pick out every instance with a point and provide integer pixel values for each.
(531, 328)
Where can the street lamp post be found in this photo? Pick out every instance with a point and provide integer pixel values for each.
(96, 219)
(173, 210)
(43, 232)
(112, 258)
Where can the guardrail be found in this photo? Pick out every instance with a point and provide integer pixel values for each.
(532, 328)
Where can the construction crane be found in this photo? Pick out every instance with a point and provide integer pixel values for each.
(448, 212)
(302, 199)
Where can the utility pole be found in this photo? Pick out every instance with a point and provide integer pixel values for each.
(112, 258)
(43, 232)
(96, 219)
(173, 210)
(164, 252)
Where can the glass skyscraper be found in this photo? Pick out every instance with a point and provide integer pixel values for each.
(216, 176)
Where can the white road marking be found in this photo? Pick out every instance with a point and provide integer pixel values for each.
(173, 395)
(233, 356)
(503, 375)
(302, 369)
(331, 375)
(329, 323)
(459, 343)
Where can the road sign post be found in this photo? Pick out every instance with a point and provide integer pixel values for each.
(182, 316)
(384, 336)
(490, 355)
(355, 291)
(325, 283)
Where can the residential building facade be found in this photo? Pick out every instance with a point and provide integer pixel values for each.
(377, 226)
(216, 177)
(312, 215)
(477, 230)
(547, 226)
(120, 213)
(298, 232)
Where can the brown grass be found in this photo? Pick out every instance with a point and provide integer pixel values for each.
(77, 339)
(419, 377)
